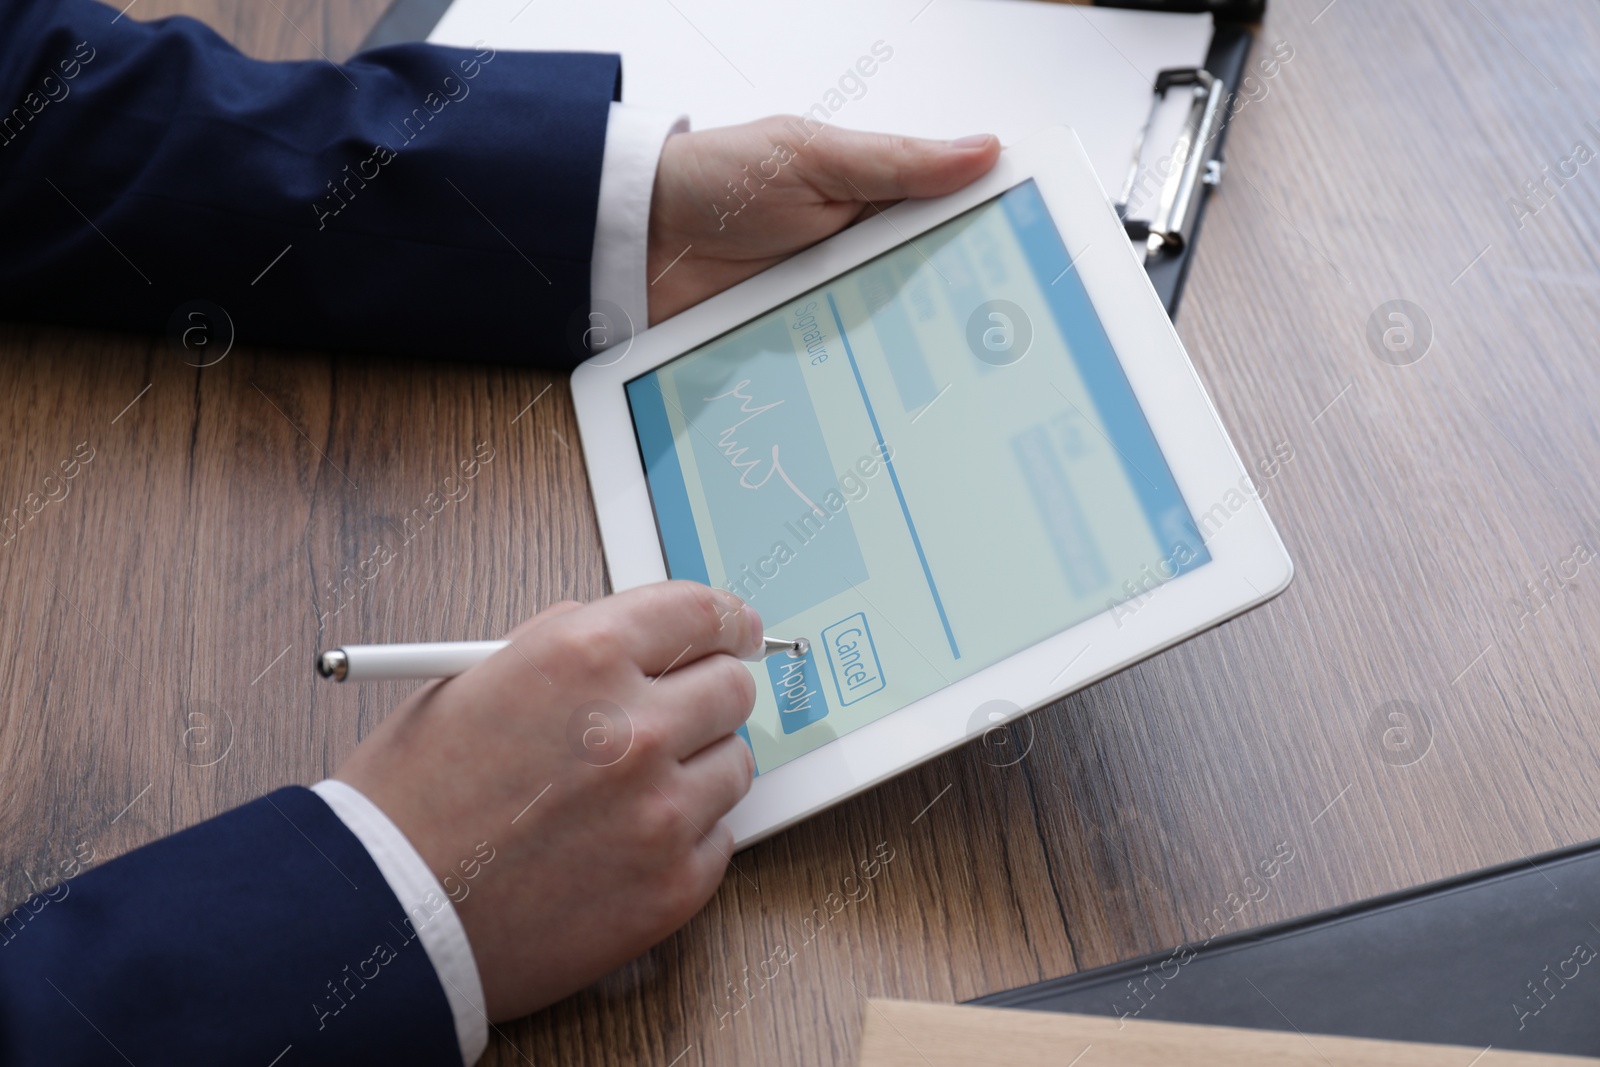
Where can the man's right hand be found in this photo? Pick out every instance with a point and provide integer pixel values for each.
(596, 757)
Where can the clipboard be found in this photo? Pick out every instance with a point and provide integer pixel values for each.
(1197, 160)
(1167, 238)
(1508, 956)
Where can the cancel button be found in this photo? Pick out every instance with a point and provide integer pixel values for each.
(852, 658)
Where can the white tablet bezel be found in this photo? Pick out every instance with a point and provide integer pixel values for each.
(1248, 566)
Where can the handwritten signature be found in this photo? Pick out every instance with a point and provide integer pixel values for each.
(730, 447)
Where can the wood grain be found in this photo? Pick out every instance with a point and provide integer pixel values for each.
(896, 1033)
(162, 616)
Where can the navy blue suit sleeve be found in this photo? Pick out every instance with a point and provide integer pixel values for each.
(263, 929)
(415, 199)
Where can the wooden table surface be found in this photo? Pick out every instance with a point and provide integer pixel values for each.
(1421, 702)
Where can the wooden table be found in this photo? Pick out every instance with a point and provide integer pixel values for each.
(161, 618)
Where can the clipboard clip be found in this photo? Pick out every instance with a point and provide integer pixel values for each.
(1192, 164)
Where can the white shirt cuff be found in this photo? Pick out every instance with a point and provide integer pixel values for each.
(622, 226)
(426, 905)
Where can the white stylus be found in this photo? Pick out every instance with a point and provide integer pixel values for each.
(446, 659)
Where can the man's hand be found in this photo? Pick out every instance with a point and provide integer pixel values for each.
(595, 757)
(731, 202)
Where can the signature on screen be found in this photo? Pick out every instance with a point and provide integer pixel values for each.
(730, 447)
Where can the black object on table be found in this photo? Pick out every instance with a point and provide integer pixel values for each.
(1508, 956)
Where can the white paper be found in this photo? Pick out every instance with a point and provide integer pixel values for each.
(955, 67)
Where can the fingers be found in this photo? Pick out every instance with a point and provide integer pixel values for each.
(849, 165)
(711, 782)
(669, 625)
(714, 854)
(703, 702)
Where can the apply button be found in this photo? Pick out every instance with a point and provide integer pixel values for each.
(798, 691)
(853, 658)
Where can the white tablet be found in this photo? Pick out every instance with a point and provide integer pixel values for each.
(958, 447)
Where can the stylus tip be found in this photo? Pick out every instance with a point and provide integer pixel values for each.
(771, 646)
(333, 664)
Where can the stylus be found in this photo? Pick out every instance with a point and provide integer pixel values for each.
(446, 659)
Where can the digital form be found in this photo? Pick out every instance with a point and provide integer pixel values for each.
(924, 466)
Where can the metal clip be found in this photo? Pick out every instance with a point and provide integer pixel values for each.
(1192, 164)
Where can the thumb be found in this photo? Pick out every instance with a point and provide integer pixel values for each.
(846, 165)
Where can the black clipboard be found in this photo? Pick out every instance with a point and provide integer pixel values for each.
(1508, 956)
(412, 20)
(1224, 69)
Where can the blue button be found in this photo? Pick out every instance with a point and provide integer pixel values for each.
(798, 691)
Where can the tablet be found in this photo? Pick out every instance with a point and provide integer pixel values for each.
(958, 447)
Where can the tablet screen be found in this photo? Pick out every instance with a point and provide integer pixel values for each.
(926, 465)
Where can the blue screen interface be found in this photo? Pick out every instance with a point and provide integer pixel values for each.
(929, 463)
